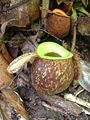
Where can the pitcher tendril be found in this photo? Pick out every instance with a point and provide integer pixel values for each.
(16, 64)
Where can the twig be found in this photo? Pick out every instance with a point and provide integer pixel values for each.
(78, 92)
(77, 100)
(62, 104)
(74, 38)
(55, 109)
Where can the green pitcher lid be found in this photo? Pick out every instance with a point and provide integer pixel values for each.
(53, 51)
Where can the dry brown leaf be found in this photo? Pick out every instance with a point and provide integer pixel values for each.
(16, 14)
(23, 14)
(3, 62)
(5, 77)
(6, 54)
(14, 99)
(20, 14)
(5, 110)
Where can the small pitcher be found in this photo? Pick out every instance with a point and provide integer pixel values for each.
(52, 72)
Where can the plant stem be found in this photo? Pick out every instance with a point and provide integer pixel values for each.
(74, 38)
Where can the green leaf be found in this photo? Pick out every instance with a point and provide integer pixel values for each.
(82, 9)
(74, 14)
(76, 0)
(45, 4)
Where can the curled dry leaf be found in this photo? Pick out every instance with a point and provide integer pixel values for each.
(14, 99)
(9, 23)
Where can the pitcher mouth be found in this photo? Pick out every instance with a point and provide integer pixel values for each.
(53, 51)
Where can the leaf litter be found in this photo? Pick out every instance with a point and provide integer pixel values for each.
(34, 105)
